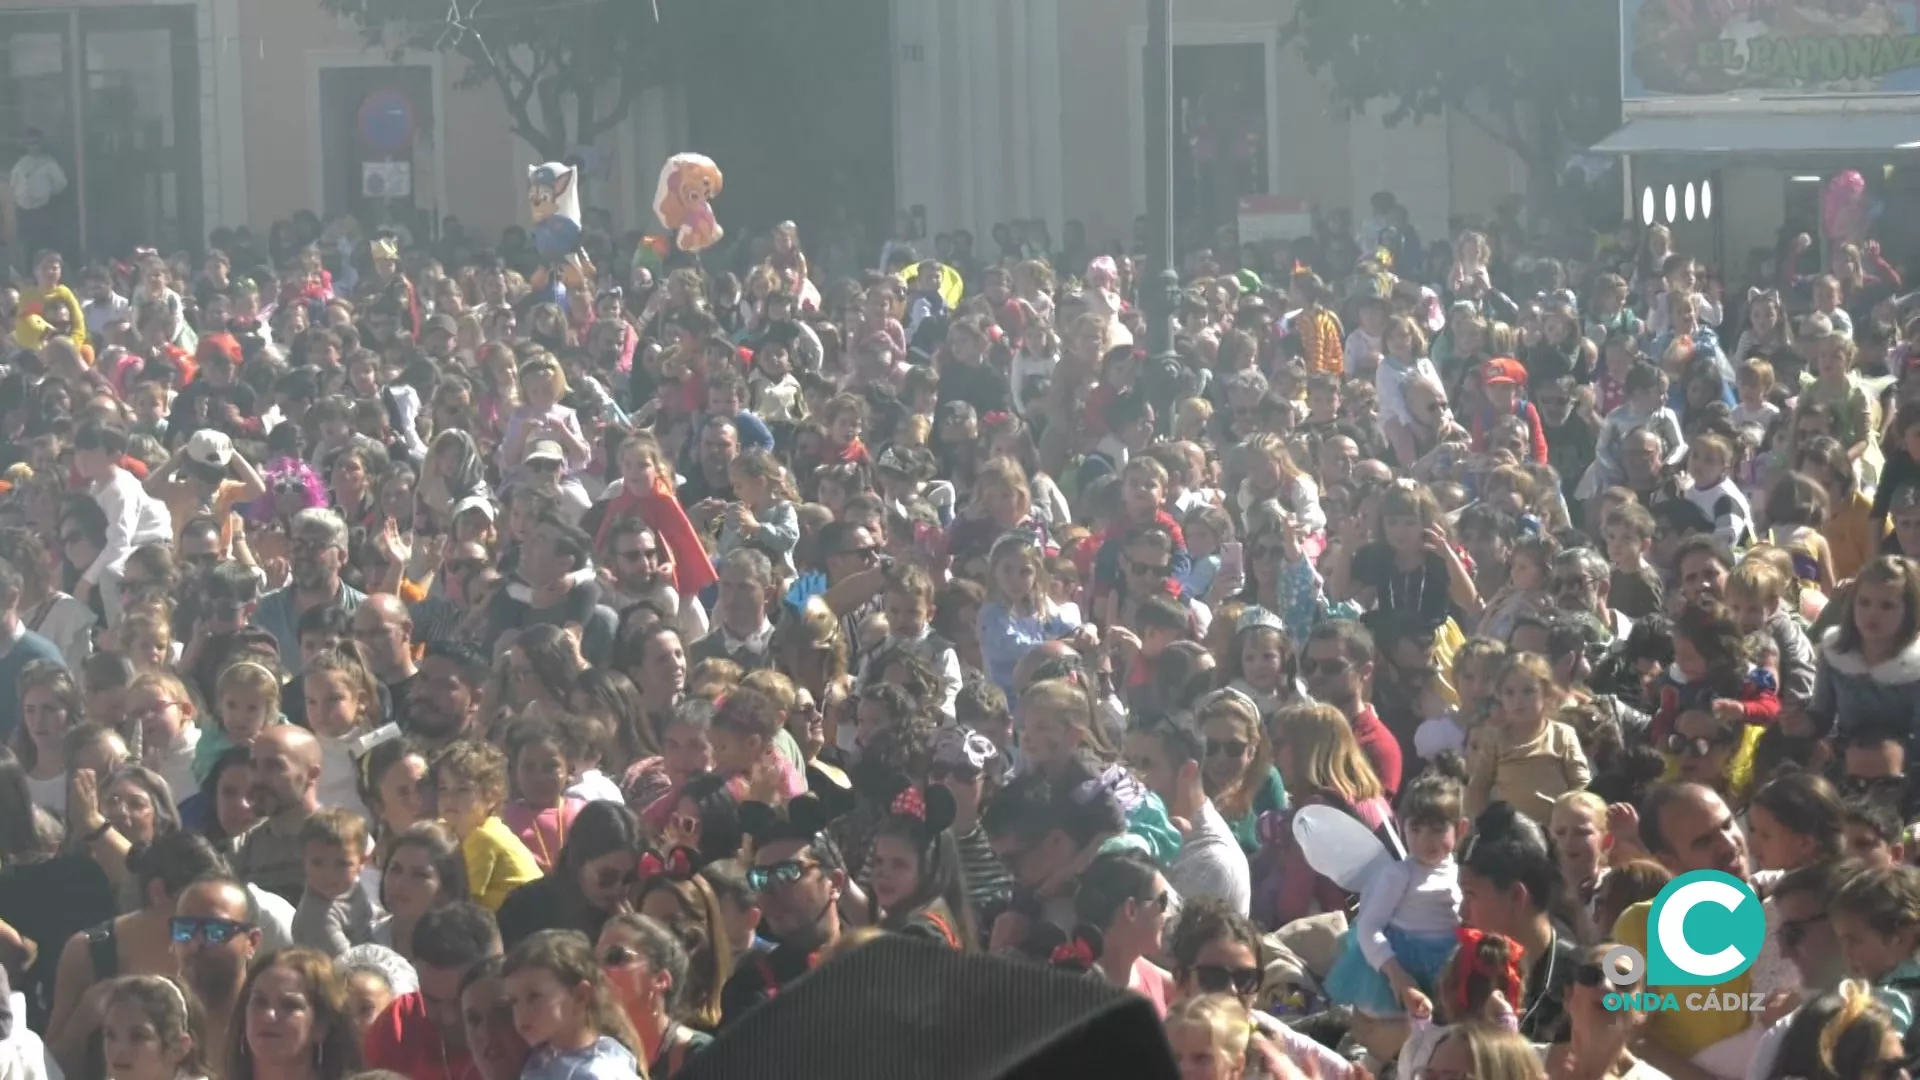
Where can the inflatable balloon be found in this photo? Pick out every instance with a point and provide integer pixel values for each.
(684, 201)
(553, 196)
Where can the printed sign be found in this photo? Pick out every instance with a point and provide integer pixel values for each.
(386, 179)
(1685, 48)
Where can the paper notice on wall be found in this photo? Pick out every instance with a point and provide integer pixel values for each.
(386, 179)
(1273, 217)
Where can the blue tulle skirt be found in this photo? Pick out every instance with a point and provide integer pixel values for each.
(1355, 982)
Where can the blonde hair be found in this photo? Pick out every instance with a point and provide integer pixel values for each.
(1221, 1016)
(1758, 579)
(1531, 665)
(1583, 802)
(1498, 1054)
(544, 363)
(1068, 701)
(249, 677)
(1005, 471)
(1237, 707)
(1016, 549)
(1324, 752)
(347, 660)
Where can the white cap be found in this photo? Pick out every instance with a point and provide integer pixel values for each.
(209, 447)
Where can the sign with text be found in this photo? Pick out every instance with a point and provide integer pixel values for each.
(1769, 48)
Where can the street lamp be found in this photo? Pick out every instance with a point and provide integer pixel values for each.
(1160, 295)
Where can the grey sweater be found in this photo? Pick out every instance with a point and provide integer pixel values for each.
(1796, 658)
(1850, 692)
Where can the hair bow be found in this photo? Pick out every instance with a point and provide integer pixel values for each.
(956, 745)
(909, 803)
(1757, 293)
(1470, 965)
(676, 864)
(995, 418)
(1078, 952)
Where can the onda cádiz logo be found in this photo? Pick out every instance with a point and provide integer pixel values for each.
(1705, 928)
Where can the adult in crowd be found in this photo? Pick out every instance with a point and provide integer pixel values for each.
(296, 1022)
(1688, 827)
(422, 871)
(444, 695)
(384, 629)
(214, 943)
(742, 628)
(285, 793)
(591, 880)
(1337, 666)
(799, 897)
(647, 966)
(422, 1035)
(317, 552)
(1509, 883)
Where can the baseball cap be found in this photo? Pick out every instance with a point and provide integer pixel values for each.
(543, 450)
(443, 323)
(1503, 371)
(209, 447)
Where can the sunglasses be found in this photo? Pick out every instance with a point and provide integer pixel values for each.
(864, 554)
(1152, 569)
(1262, 552)
(1337, 666)
(763, 878)
(1227, 748)
(213, 931)
(1564, 584)
(1699, 748)
(1221, 979)
(959, 774)
(619, 956)
(684, 824)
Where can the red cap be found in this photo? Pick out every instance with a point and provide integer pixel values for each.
(1503, 370)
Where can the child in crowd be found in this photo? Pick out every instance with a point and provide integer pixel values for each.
(566, 1011)
(1582, 841)
(247, 702)
(1528, 569)
(1409, 909)
(1475, 667)
(1756, 412)
(470, 779)
(1796, 514)
(334, 913)
(1209, 535)
(1209, 1035)
(762, 515)
(1876, 918)
(1756, 595)
(1018, 614)
(1646, 406)
(1528, 759)
(744, 729)
(1874, 832)
(343, 706)
(541, 757)
(158, 699)
(1635, 587)
(1710, 462)
(133, 517)
(774, 392)
(1712, 672)
(907, 598)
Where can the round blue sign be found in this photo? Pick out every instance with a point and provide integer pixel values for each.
(386, 120)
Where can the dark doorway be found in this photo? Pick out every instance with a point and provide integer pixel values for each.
(376, 144)
(800, 117)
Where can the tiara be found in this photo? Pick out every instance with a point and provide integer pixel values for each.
(1259, 617)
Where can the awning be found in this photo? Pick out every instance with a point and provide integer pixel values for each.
(1790, 133)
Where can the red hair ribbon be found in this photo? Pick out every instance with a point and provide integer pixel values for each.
(998, 416)
(677, 864)
(1469, 964)
(909, 803)
(1075, 953)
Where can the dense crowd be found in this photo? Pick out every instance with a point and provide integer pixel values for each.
(414, 667)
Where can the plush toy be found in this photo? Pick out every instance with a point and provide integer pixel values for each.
(553, 194)
(1844, 209)
(683, 201)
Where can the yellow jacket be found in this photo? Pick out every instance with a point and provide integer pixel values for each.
(497, 863)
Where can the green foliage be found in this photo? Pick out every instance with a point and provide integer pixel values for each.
(1541, 76)
(567, 70)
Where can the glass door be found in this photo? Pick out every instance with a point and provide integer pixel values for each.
(37, 95)
(142, 129)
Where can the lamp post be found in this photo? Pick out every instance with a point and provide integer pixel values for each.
(1160, 295)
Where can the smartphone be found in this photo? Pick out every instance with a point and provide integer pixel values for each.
(1232, 560)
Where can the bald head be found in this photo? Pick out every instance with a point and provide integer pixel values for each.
(286, 773)
(384, 629)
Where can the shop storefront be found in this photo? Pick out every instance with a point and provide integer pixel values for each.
(1755, 106)
(116, 92)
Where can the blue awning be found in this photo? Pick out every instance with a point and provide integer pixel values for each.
(1755, 134)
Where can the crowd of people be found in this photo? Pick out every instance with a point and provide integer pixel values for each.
(410, 667)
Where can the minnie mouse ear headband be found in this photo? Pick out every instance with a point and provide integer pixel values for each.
(801, 819)
(929, 811)
(677, 865)
(963, 746)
